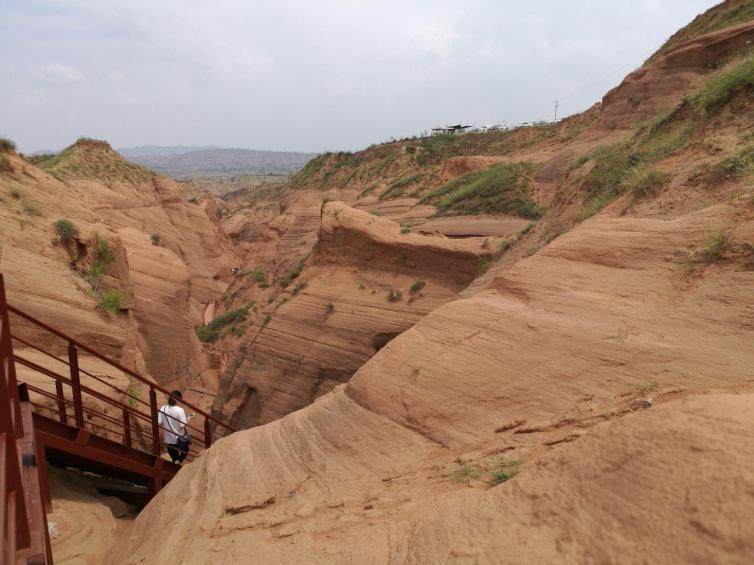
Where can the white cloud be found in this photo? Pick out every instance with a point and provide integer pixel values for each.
(311, 74)
(58, 72)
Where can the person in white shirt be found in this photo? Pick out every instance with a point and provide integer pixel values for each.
(172, 419)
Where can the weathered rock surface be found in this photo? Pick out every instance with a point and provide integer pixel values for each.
(590, 362)
(166, 284)
(341, 311)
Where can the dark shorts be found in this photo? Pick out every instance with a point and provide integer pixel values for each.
(177, 452)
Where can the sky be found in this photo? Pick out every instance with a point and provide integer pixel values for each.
(309, 75)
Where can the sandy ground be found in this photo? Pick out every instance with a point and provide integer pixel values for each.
(83, 523)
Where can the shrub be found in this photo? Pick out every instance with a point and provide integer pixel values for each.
(293, 273)
(720, 89)
(396, 189)
(417, 286)
(156, 239)
(66, 229)
(6, 145)
(506, 472)
(464, 471)
(597, 203)
(32, 208)
(526, 229)
(393, 295)
(113, 300)
(260, 278)
(316, 382)
(15, 193)
(643, 180)
(93, 275)
(222, 324)
(103, 252)
(405, 228)
(717, 243)
(298, 288)
(732, 168)
(330, 308)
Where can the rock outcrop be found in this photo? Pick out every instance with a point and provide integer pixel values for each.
(169, 257)
(367, 282)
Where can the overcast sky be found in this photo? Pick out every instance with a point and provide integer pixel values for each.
(309, 75)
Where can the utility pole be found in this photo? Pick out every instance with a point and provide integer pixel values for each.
(556, 110)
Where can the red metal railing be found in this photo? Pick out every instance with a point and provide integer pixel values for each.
(15, 514)
(111, 409)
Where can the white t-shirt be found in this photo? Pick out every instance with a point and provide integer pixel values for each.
(172, 419)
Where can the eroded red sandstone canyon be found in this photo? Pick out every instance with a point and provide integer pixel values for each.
(559, 370)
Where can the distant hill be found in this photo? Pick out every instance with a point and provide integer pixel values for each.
(191, 162)
(155, 150)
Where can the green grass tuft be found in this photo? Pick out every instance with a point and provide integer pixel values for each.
(732, 168)
(113, 300)
(719, 89)
(397, 187)
(417, 286)
(294, 273)
(223, 324)
(66, 229)
(393, 295)
(717, 243)
(156, 239)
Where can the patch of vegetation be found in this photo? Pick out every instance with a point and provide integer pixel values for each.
(616, 171)
(645, 387)
(405, 228)
(718, 90)
(155, 239)
(393, 295)
(223, 324)
(298, 288)
(311, 168)
(133, 392)
(329, 309)
(316, 382)
(506, 472)
(260, 277)
(15, 194)
(732, 168)
(482, 265)
(66, 229)
(643, 180)
(526, 229)
(464, 472)
(113, 300)
(294, 273)
(502, 189)
(103, 252)
(6, 145)
(31, 208)
(397, 187)
(384, 164)
(717, 243)
(91, 159)
(417, 286)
